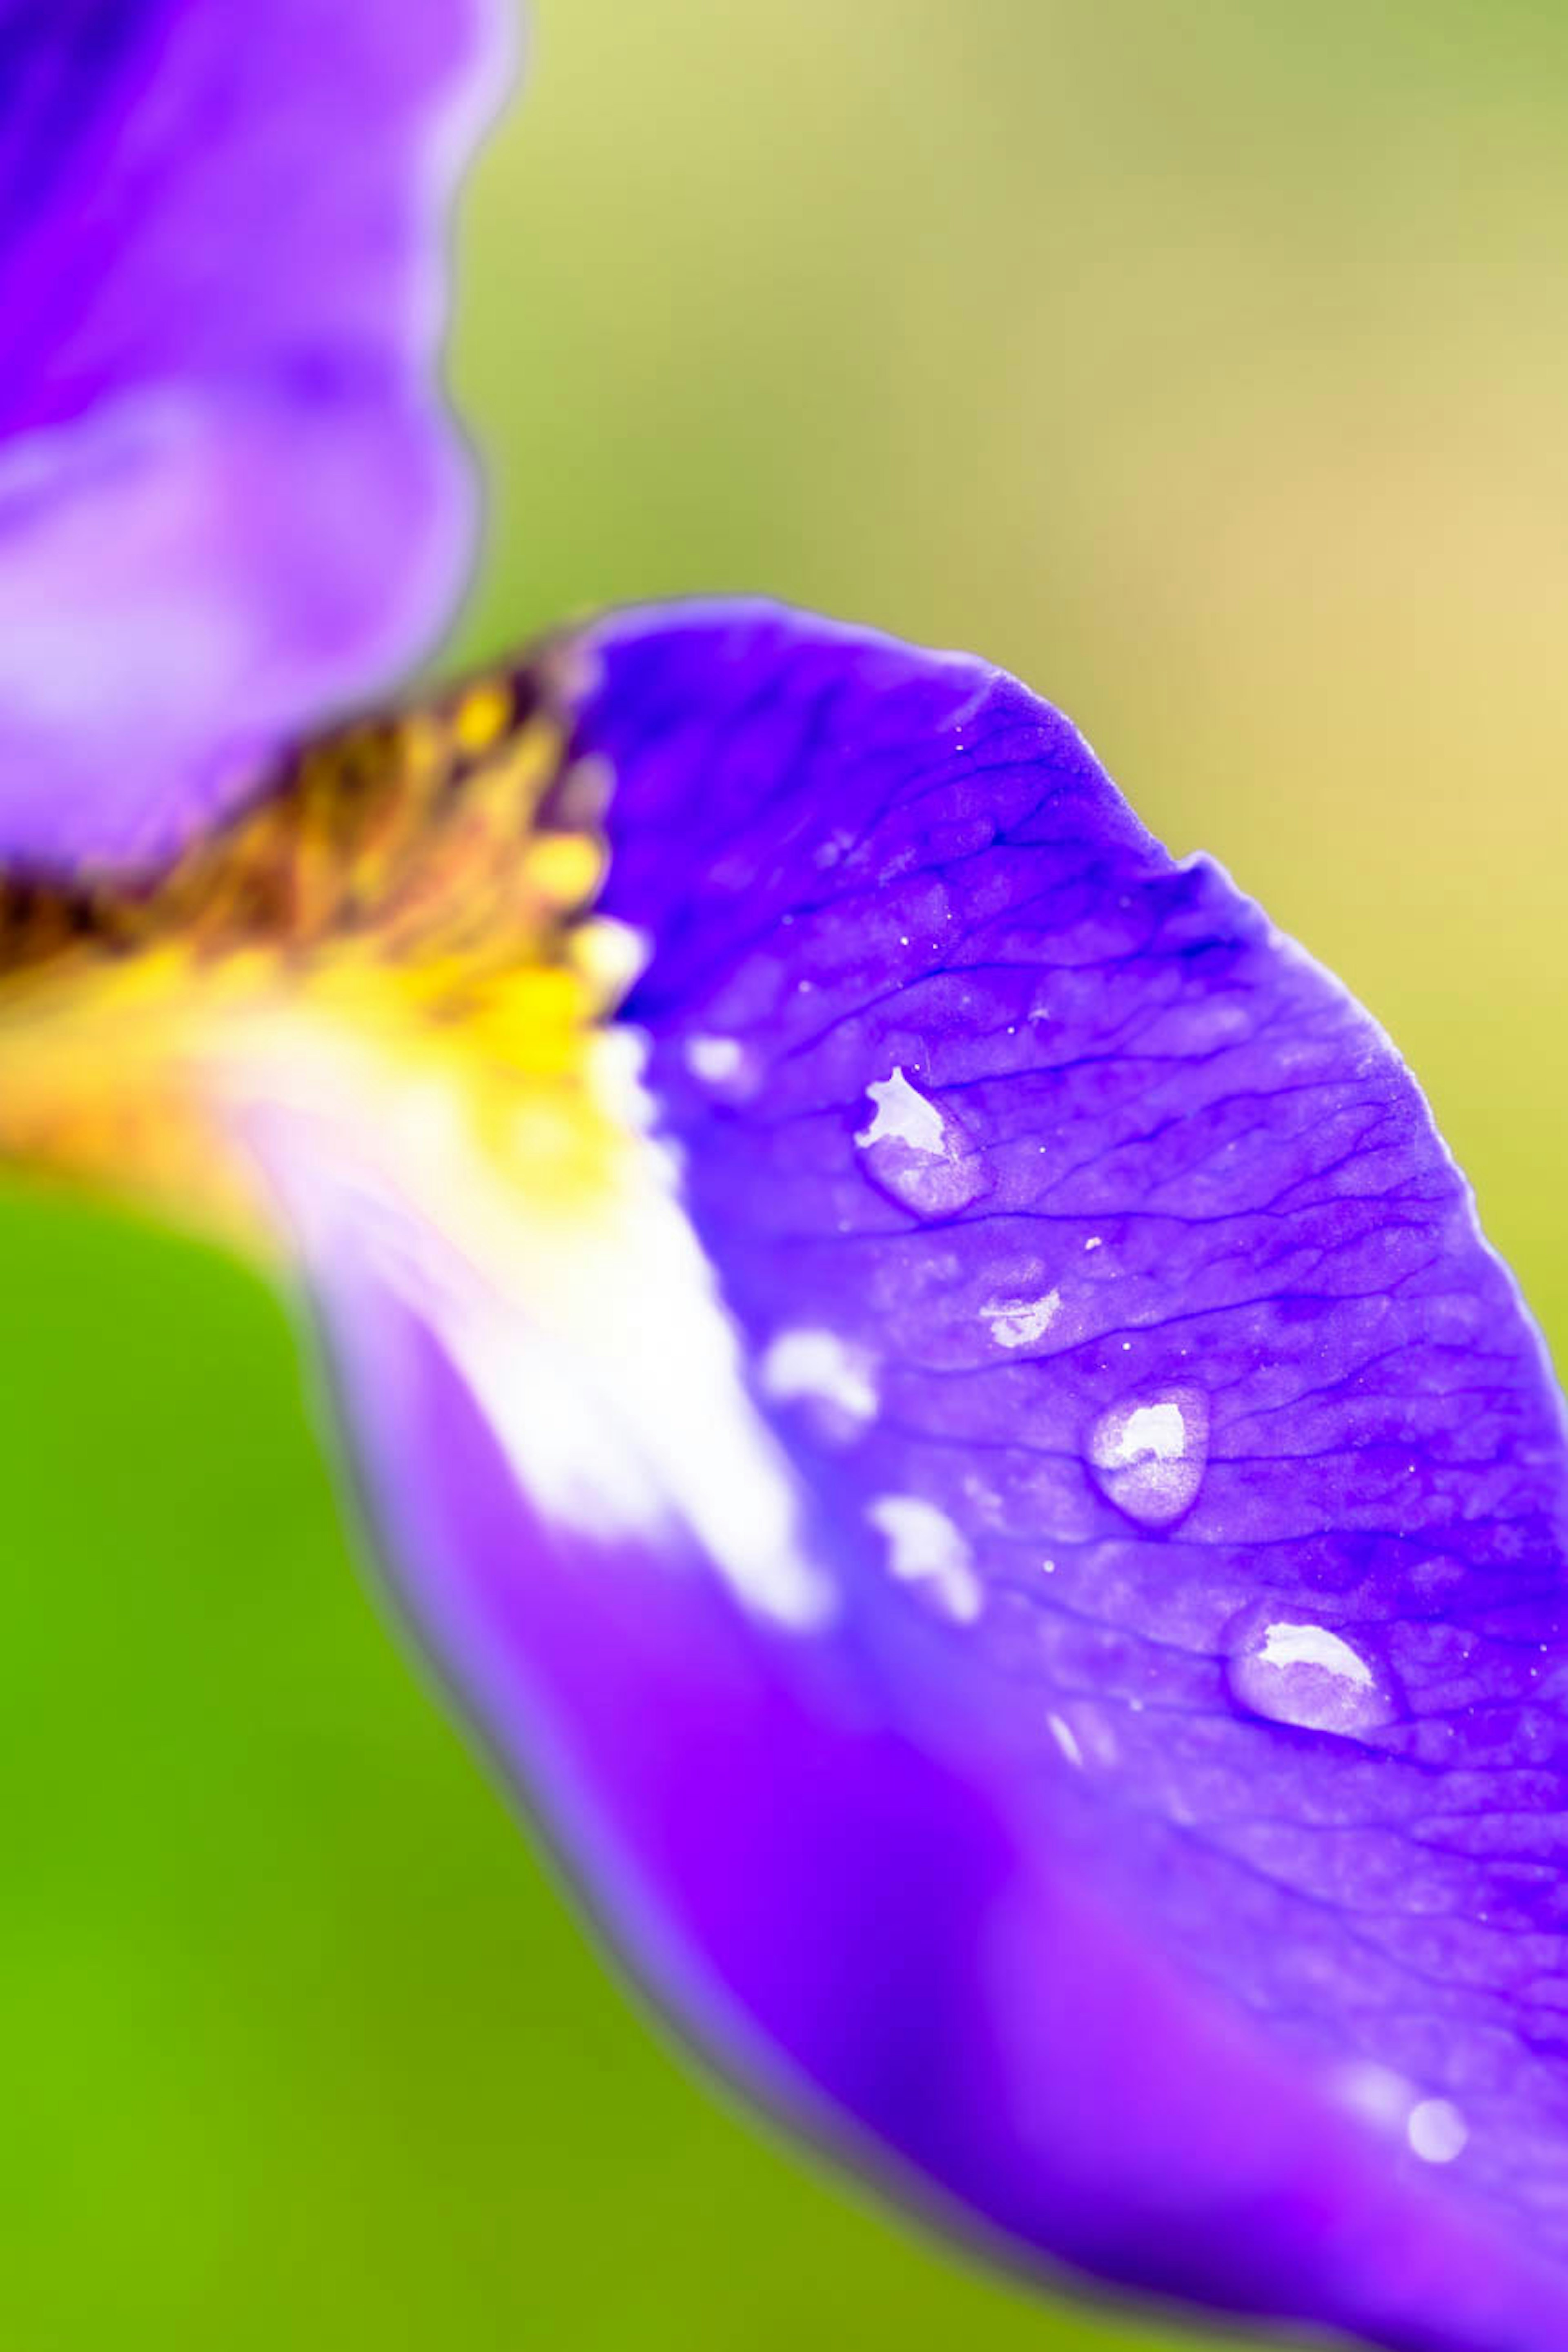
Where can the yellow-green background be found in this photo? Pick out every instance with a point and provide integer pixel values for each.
(1207, 364)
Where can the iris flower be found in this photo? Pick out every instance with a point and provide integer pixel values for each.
(922, 1376)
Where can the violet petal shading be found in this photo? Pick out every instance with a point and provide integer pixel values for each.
(1026, 1587)
(230, 493)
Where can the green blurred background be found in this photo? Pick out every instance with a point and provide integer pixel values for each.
(1208, 364)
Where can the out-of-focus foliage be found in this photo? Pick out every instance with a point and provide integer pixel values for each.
(1207, 366)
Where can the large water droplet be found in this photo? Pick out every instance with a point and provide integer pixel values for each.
(1148, 1453)
(918, 1155)
(1293, 1670)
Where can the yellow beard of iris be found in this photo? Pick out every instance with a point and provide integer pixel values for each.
(369, 1018)
(396, 934)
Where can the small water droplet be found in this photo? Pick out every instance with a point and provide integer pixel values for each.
(1147, 1455)
(1015, 1322)
(925, 1549)
(818, 1367)
(1436, 2131)
(918, 1155)
(1062, 1732)
(1292, 1670)
(722, 1063)
(1377, 2093)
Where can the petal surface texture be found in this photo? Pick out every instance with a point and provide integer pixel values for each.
(1024, 1577)
(230, 495)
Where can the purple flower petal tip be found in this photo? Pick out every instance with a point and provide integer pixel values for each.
(1024, 1573)
(230, 494)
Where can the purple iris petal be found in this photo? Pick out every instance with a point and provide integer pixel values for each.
(1136, 1827)
(229, 492)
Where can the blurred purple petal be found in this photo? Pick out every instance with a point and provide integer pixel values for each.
(1041, 1633)
(230, 493)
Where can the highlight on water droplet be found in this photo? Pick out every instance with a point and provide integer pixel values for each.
(1062, 1732)
(919, 1154)
(1148, 1453)
(1018, 1322)
(1291, 1669)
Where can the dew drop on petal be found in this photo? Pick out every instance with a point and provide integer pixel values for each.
(1378, 2094)
(716, 1061)
(1291, 1670)
(1147, 1455)
(1436, 2131)
(816, 1366)
(925, 1549)
(1017, 1322)
(918, 1154)
(1062, 1732)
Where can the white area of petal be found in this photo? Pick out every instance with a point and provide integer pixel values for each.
(592, 1335)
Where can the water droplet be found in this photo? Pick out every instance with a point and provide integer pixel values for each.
(924, 1549)
(819, 1368)
(1015, 1322)
(1377, 2093)
(1436, 2131)
(612, 954)
(717, 1060)
(1294, 1671)
(1148, 1455)
(1062, 1732)
(918, 1155)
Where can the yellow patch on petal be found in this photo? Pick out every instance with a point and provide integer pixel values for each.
(402, 920)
